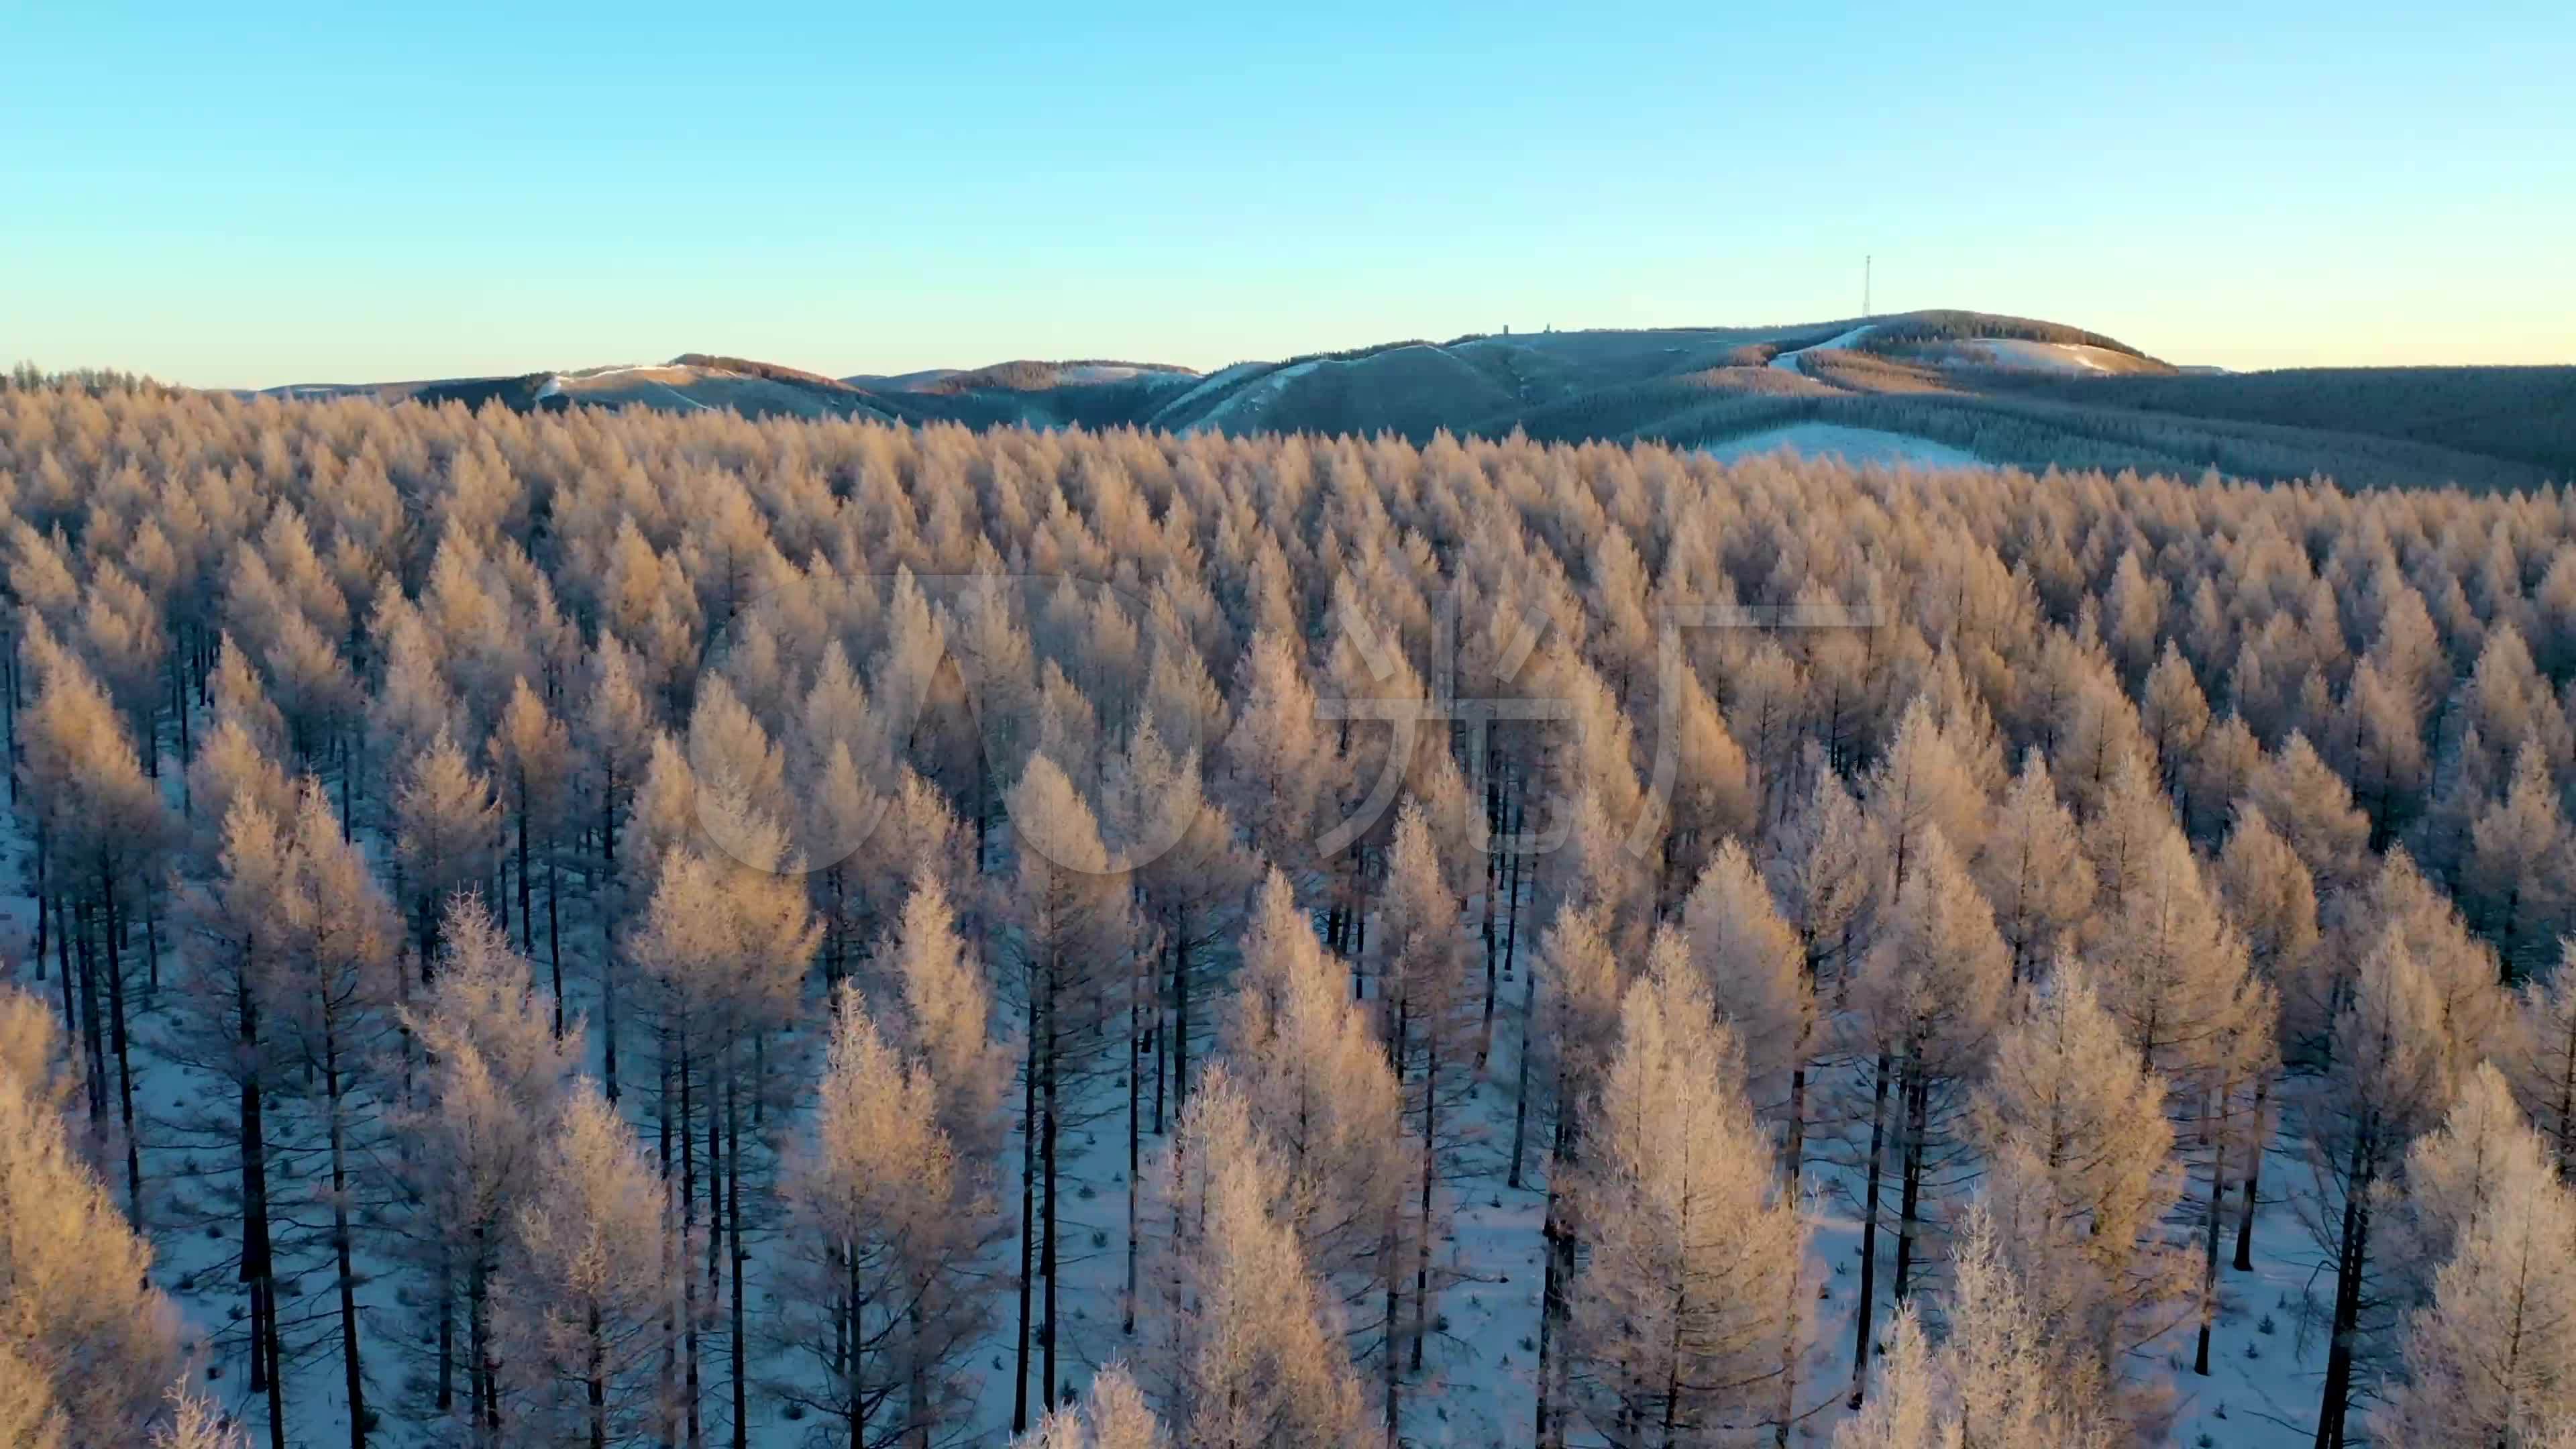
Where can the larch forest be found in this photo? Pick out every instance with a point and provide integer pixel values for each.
(630, 928)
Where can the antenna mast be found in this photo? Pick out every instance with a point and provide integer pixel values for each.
(1865, 262)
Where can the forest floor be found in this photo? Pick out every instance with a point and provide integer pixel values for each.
(1477, 1387)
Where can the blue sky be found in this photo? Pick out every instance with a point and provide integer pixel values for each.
(249, 195)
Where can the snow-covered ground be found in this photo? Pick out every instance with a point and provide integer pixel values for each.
(1088, 373)
(1249, 401)
(1858, 446)
(1788, 361)
(2071, 358)
(1478, 1386)
(1219, 378)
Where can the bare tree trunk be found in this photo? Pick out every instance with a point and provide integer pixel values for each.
(1049, 1260)
(1520, 1095)
(597, 1383)
(688, 1271)
(2253, 1179)
(1909, 1222)
(1869, 1236)
(1394, 1314)
(1028, 1216)
(2209, 1255)
(351, 1367)
(734, 1253)
(554, 934)
(1430, 1171)
(111, 952)
(446, 1331)
(2352, 1255)
(604, 899)
(1136, 992)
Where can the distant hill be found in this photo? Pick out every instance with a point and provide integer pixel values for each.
(2011, 390)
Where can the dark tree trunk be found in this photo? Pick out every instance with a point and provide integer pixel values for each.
(2253, 1179)
(352, 1372)
(1028, 1217)
(1910, 1195)
(1869, 1235)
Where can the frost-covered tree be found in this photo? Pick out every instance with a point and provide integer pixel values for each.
(1578, 1032)
(335, 983)
(1074, 928)
(723, 947)
(1426, 1007)
(240, 923)
(101, 833)
(1113, 1414)
(533, 763)
(587, 1283)
(886, 1224)
(2000, 1380)
(1924, 1011)
(1249, 1348)
(2073, 1125)
(2520, 858)
(2270, 900)
(2033, 869)
(1311, 1068)
(477, 1129)
(445, 832)
(1750, 962)
(2389, 1075)
(2541, 1058)
(1191, 873)
(1684, 1315)
(87, 1344)
(2490, 1359)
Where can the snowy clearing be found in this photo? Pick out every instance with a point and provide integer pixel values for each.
(2072, 359)
(1857, 446)
(1788, 361)
(1251, 399)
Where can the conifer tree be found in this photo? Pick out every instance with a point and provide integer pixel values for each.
(2541, 1059)
(1750, 962)
(1308, 1062)
(335, 985)
(477, 1128)
(1250, 1353)
(2073, 1123)
(87, 1344)
(884, 1216)
(2033, 869)
(533, 763)
(1191, 875)
(1577, 1033)
(1683, 1314)
(586, 1285)
(2389, 1073)
(614, 737)
(2520, 858)
(226, 1025)
(1074, 927)
(1999, 1380)
(1925, 1008)
(101, 825)
(2270, 900)
(724, 945)
(1426, 1007)
(446, 827)
(2490, 1358)
(1112, 1415)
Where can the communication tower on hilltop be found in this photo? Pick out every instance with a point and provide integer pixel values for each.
(1865, 262)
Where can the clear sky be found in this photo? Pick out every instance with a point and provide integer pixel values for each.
(252, 194)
